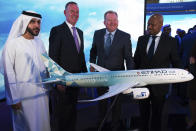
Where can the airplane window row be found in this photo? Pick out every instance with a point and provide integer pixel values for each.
(165, 74)
(114, 76)
(88, 78)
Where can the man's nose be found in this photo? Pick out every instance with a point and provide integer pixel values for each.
(75, 13)
(149, 26)
(37, 24)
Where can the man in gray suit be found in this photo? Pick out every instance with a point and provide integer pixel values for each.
(110, 48)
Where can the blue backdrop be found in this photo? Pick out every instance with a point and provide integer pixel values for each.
(91, 18)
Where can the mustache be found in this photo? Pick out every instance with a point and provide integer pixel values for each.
(31, 31)
(37, 29)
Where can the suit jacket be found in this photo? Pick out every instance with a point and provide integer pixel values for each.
(192, 68)
(62, 49)
(165, 55)
(187, 44)
(120, 50)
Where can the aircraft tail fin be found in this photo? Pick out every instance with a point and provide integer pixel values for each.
(53, 68)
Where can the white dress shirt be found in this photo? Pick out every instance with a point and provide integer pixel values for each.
(70, 27)
(156, 42)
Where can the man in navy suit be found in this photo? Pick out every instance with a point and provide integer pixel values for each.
(187, 43)
(155, 50)
(189, 57)
(66, 48)
(110, 48)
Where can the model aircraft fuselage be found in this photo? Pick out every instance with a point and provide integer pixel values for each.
(143, 77)
(117, 81)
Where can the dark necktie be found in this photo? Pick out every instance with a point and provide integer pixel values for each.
(151, 49)
(108, 44)
(76, 39)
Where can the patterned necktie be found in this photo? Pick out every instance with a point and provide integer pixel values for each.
(151, 49)
(108, 44)
(76, 39)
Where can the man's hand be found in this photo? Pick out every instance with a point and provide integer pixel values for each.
(61, 88)
(92, 69)
(192, 60)
(17, 106)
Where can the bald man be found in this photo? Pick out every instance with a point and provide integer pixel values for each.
(155, 50)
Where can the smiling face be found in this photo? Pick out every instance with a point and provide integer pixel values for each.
(111, 21)
(72, 13)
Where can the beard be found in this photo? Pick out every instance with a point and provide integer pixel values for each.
(33, 32)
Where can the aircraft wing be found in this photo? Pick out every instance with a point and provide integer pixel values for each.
(98, 68)
(113, 90)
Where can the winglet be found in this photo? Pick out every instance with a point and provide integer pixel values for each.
(99, 68)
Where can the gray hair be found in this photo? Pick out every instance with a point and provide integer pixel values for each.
(110, 12)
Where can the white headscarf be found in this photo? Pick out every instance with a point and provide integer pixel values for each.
(18, 28)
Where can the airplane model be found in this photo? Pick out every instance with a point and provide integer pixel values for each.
(118, 81)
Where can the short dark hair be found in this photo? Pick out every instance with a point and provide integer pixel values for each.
(110, 11)
(69, 3)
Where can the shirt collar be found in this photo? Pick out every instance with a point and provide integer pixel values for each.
(69, 25)
(107, 32)
(159, 34)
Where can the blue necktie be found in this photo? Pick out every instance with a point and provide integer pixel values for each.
(151, 49)
(76, 39)
(108, 44)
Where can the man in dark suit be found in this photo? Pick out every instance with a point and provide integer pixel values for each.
(192, 89)
(189, 61)
(66, 48)
(155, 50)
(187, 43)
(110, 48)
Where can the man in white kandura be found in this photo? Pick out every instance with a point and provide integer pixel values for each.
(23, 70)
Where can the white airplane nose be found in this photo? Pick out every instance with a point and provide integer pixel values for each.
(190, 76)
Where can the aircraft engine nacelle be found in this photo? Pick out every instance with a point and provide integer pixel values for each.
(140, 93)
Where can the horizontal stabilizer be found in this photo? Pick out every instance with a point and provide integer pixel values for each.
(113, 90)
(51, 80)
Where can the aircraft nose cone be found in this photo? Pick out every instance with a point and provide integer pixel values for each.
(191, 76)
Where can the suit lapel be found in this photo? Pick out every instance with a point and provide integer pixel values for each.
(67, 30)
(81, 40)
(115, 40)
(146, 39)
(69, 34)
(102, 40)
(160, 46)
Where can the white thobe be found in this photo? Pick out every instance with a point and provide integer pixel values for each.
(23, 70)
